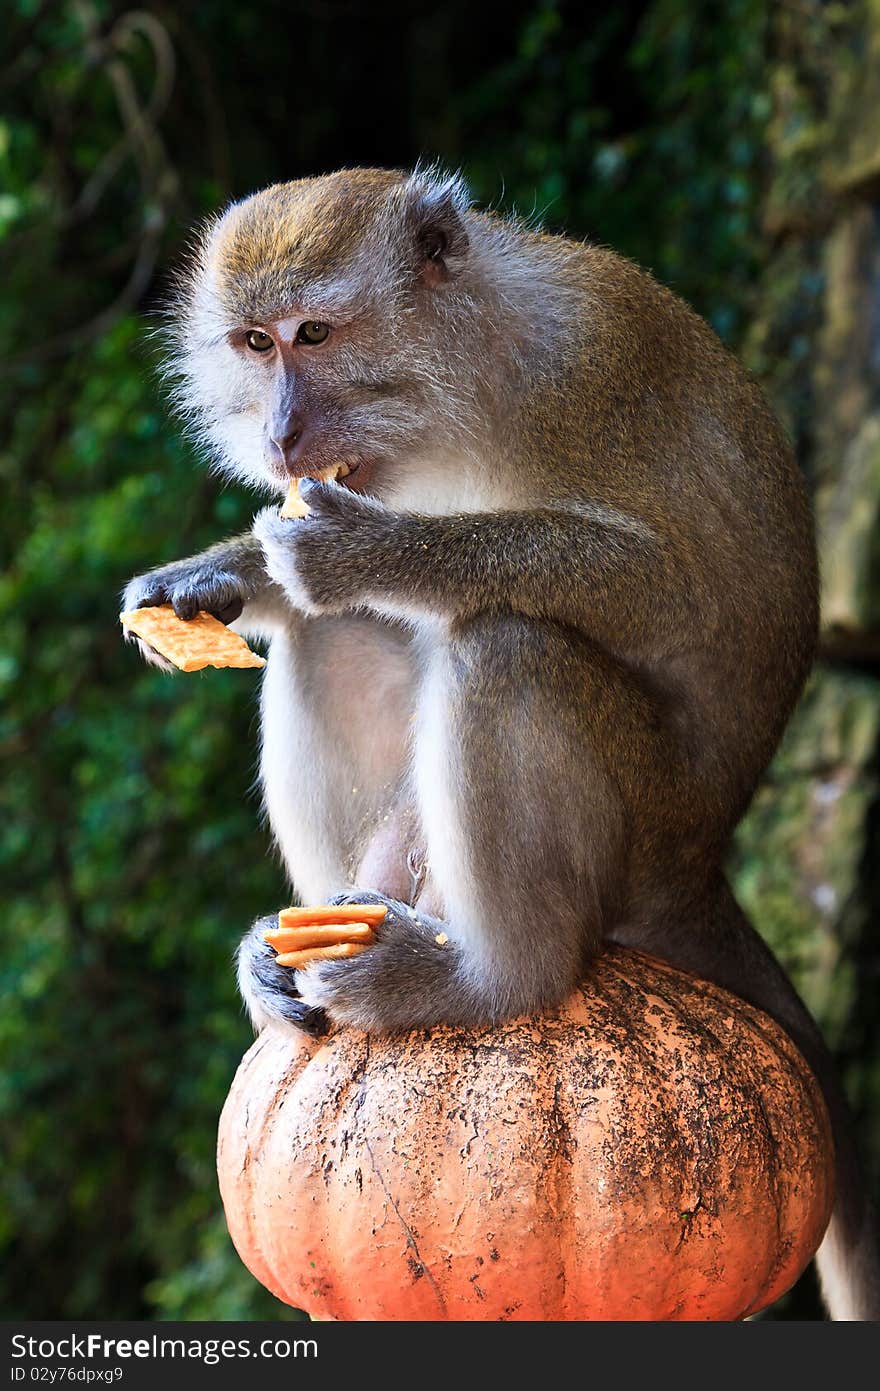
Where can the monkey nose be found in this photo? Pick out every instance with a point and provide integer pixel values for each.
(288, 440)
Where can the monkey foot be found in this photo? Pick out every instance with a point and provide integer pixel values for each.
(328, 932)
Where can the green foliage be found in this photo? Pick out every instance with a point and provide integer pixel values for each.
(129, 836)
(128, 824)
(799, 852)
(642, 129)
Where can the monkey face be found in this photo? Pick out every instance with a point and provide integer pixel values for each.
(322, 393)
(332, 321)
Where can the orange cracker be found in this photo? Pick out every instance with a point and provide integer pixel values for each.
(198, 642)
(332, 913)
(293, 505)
(298, 959)
(297, 938)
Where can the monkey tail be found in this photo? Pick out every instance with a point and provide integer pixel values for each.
(848, 1261)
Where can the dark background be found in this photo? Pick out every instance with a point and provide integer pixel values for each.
(730, 148)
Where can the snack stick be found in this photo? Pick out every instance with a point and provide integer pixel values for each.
(298, 959)
(190, 644)
(296, 938)
(332, 913)
(293, 505)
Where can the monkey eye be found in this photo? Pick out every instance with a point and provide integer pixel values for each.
(259, 341)
(312, 332)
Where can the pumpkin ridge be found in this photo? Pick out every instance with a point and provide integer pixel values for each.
(780, 1248)
(559, 1182)
(411, 1241)
(351, 1060)
(749, 1097)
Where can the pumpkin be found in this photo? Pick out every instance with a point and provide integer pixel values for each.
(654, 1149)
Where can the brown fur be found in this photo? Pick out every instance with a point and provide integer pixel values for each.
(581, 546)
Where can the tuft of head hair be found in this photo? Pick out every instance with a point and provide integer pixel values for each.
(334, 238)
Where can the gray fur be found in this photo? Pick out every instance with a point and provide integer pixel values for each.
(550, 646)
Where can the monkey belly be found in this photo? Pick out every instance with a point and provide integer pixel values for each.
(337, 703)
(394, 862)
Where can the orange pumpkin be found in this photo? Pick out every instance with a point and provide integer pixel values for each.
(655, 1149)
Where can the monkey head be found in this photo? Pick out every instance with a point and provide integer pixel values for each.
(341, 320)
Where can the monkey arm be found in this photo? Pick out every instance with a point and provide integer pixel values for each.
(593, 568)
(228, 580)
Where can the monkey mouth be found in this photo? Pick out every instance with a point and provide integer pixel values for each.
(348, 474)
(352, 472)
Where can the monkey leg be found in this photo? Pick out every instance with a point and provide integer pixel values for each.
(338, 696)
(717, 942)
(525, 837)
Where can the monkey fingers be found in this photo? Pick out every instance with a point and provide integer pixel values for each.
(287, 939)
(298, 960)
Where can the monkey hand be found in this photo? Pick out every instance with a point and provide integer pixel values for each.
(201, 583)
(325, 562)
(269, 990)
(407, 978)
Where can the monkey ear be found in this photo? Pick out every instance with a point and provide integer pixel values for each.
(434, 218)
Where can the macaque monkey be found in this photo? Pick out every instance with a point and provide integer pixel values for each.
(530, 656)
